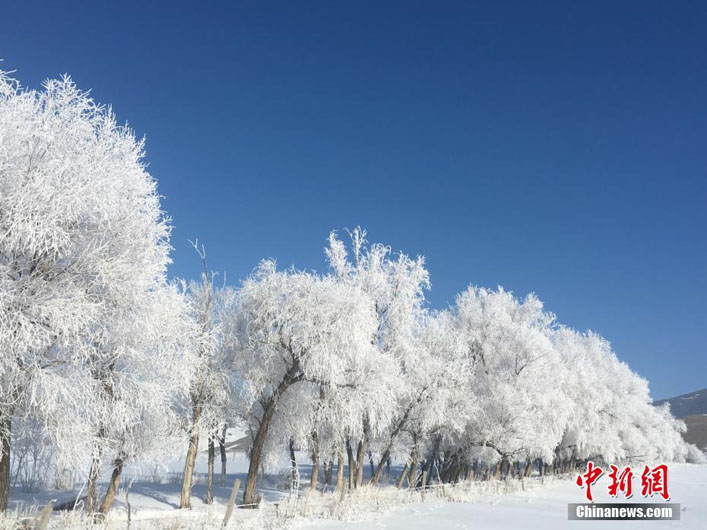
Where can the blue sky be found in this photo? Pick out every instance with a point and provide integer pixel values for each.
(549, 147)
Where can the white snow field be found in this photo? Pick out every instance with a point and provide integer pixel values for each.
(542, 508)
(477, 506)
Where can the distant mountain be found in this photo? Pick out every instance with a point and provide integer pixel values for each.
(696, 430)
(692, 409)
(687, 404)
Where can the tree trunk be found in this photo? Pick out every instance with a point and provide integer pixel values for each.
(185, 500)
(315, 461)
(429, 467)
(386, 454)
(340, 486)
(360, 461)
(457, 472)
(465, 471)
(256, 453)
(293, 464)
(352, 465)
(379, 469)
(328, 472)
(5, 442)
(222, 448)
(414, 455)
(433, 457)
(361, 454)
(112, 486)
(401, 478)
(93, 473)
(210, 481)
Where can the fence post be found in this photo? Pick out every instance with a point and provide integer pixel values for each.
(42, 519)
(231, 502)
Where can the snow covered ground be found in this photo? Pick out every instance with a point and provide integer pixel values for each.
(534, 506)
(542, 509)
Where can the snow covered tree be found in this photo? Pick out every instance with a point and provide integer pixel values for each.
(104, 357)
(82, 236)
(396, 286)
(209, 377)
(517, 377)
(437, 400)
(293, 328)
(141, 374)
(612, 415)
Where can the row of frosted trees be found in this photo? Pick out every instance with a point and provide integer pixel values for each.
(109, 363)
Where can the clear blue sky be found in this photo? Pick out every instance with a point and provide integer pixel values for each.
(550, 147)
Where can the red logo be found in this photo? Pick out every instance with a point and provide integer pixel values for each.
(589, 478)
(621, 482)
(653, 481)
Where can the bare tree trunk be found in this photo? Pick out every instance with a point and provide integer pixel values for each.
(210, 481)
(412, 477)
(401, 478)
(5, 444)
(256, 453)
(112, 486)
(377, 474)
(498, 469)
(293, 464)
(340, 486)
(185, 500)
(428, 468)
(361, 454)
(360, 461)
(433, 457)
(93, 479)
(315, 461)
(352, 465)
(222, 448)
(328, 471)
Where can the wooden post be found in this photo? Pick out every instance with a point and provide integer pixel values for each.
(42, 519)
(231, 502)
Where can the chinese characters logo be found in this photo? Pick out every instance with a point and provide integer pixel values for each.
(653, 481)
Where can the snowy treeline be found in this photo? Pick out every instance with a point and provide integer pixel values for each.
(105, 362)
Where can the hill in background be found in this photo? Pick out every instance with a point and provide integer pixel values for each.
(687, 404)
(692, 409)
